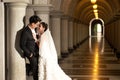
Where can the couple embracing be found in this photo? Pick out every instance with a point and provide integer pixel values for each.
(41, 52)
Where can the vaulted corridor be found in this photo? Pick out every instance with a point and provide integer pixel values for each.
(86, 34)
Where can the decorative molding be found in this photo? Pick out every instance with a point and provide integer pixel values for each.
(41, 8)
(71, 19)
(17, 4)
(16, 1)
(56, 13)
(65, 16)
(43, 1)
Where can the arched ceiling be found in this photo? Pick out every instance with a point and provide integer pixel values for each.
(108, 10)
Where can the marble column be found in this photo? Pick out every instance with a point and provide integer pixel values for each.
(118, 47)
(79, 33)
(29, 13)
(70, 33)
(36, 1)
(16, 15)
(43, 11)
(42, 1)
(113, 33)
(75, 35)
(44, 16)
(116, 34)
(64, 36)
(2, 43)
(55, 30)
(82, 32)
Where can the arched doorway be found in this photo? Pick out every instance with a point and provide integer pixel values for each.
(96, 28)
(96, 33)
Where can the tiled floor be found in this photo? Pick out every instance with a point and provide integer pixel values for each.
(95, 63)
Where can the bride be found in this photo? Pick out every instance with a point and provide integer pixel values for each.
(48, 66)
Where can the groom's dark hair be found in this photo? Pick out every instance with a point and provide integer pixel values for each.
(45, 25)
(34, 19)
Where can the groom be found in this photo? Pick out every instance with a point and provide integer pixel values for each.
(28, 43)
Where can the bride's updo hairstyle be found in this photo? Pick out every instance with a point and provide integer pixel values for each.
(45, 25)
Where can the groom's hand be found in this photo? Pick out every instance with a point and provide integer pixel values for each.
(31, 55)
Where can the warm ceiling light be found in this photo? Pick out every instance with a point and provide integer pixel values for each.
(96, 15)
(93, 1)
(95, 6)
(95, 11)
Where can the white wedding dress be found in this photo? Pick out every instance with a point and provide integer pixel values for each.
(49, 68)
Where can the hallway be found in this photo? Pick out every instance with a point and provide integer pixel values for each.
(70, 22)
(96, 63)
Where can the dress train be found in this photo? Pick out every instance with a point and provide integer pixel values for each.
(48, 66)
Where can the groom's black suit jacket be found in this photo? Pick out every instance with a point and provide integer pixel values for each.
(28, 44)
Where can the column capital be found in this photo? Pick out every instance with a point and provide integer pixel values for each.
(16, 1)
(17, 4)
(41, 8)
(65, 17)
(75, 20)
(71, 19)
(55, 13)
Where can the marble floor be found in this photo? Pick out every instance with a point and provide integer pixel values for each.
(92, 60)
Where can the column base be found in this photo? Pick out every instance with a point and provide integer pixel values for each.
(70, 50)
(64, 54)
(75, 47)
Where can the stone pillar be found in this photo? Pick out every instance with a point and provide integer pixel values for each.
(118, 35)
(75, 35)
(112, 34)
(35, 1)
(81, 33)
(42, 1)
(77, 31)
(29, 13)
(2, 43)
(44, 16)
(70, 33)
(43, 11)
(74, 28)
(15, 17)
(64, 36)
(55, 30)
